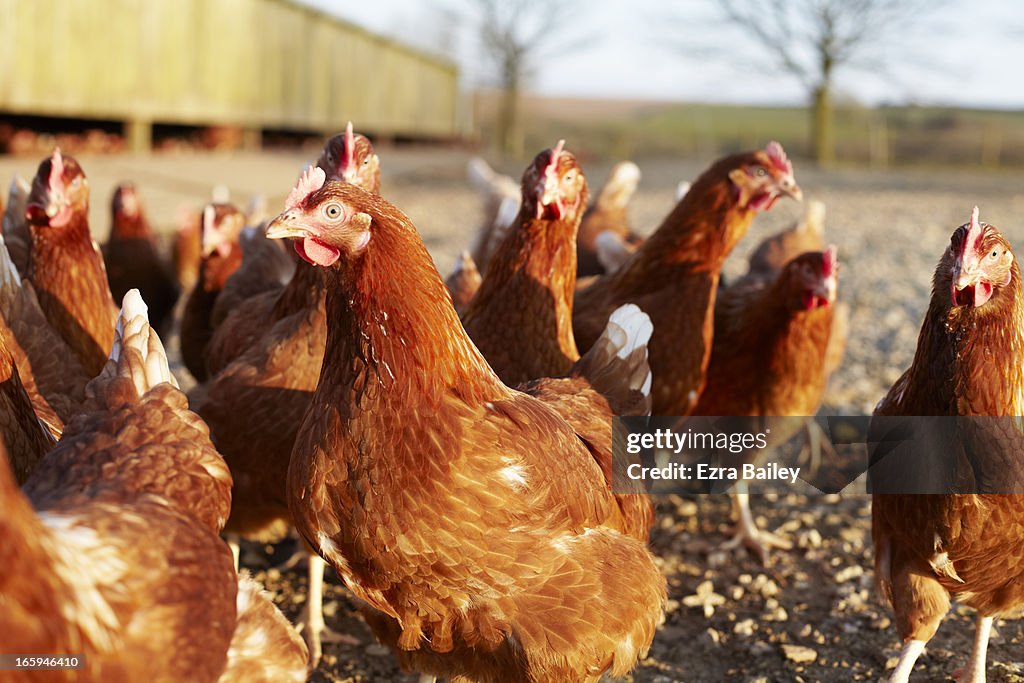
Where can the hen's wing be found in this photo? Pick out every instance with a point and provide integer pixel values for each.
(254, 408)
(611, 379)
(27, 436)
(52, 376)
(136, 435)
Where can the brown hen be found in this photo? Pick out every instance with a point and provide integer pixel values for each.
(521, 320)
(469, 515)
(929, 548)
(245, 313)
(121, 551)
(673, 277)
(66, 267)
(272, 347)
(768, 361)
(221, 256)
(133, 258)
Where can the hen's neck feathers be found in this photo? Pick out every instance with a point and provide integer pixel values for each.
(393, 336)
(970, 361)
(126, 227)
(537, 257)
(55, 249)
(699, 232)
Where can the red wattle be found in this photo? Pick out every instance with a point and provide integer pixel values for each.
(317, 253)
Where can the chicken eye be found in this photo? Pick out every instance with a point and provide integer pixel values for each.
(995, 253)
(76, 182)
(760, 172)
(366, 161)
(568, 177)
(332, 211)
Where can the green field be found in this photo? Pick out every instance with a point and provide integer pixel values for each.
(887, 136)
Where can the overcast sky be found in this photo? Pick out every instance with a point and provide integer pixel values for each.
(970, 54)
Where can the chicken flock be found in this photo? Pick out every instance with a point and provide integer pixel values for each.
(444, 445)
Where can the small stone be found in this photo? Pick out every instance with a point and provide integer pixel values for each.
(705, 598)
(745, 628)
(377, 650)
(849, 573)
(809, 539)
(760, 649)
(799, 654)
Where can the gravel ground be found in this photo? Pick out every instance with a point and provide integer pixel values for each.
(812, 614)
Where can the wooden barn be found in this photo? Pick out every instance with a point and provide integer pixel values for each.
(253, 64)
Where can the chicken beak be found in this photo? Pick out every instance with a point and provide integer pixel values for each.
(826, 289)
(549, 195)
(969, 285)
(46, 209)
(789, 187)
(284, 227)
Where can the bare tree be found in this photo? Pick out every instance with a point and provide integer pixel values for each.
(812, 39)
(515, 35)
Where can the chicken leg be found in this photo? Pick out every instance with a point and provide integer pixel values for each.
(976, 672)
(912, 649)
(746, 531)
(311, 621)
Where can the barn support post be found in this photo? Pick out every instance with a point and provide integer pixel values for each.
(139, 134)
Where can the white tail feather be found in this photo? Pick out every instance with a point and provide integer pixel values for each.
(480, 174)
(134, 333)
(629, 328)
(612, 251)
(625, 172)
(507, 212)
(814, 218)
(681, 189)
(17, 199)
(10, 278)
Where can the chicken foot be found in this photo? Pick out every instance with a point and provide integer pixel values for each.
(746, 531)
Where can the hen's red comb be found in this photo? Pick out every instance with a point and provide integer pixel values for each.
(974, 232)
(350, 148)
(829, 260)
(309, 182)
(778, 157)
(56, 169)
(556, 152)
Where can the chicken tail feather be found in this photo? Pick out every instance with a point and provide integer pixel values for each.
(10, 279)
(616, 365)
(137, 354)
